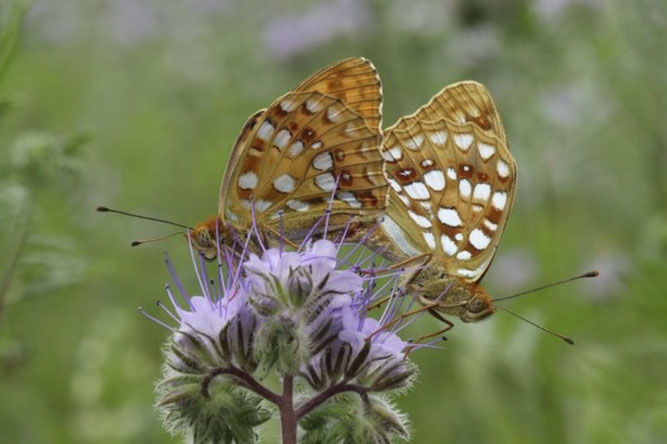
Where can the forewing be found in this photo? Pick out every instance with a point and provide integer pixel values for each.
(355, 82)
(455, 180)
(460, 103)
(289, 157)
(294, 156)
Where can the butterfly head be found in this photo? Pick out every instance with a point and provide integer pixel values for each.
(478, 306)
(203, 237)
(468, 301)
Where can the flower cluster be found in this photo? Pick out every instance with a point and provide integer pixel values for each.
(302, 316)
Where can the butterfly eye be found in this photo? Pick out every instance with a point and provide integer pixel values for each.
(476, 305)
(203, 238)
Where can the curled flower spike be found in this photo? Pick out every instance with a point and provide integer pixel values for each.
(301, 315)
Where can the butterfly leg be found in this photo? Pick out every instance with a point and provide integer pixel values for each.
(423, 258)
(277, 235)
(448, 326)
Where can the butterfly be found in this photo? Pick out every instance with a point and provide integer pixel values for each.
(452, 182)
(314, 149)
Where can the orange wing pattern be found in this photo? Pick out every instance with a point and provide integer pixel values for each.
(289, 158)
(453, 180)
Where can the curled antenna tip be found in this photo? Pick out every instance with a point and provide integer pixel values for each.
(102, 209)
(135, 243)
(592, 274)
(568, 340)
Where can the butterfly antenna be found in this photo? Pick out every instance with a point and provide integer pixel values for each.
(156, 219)
(567, 339)
(136, 243)
(590, 274)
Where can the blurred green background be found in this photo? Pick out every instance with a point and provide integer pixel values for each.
(135, 104)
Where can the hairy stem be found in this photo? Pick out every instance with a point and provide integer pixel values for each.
(244, 378)
(288, 416)
(334, 390)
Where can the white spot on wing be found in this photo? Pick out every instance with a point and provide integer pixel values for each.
(398, 236)
(394, 184)
(458, 236)
(490, 225)
(449, 216)
(326, 182)
(503, 169)
(417, 190)
(451, 173)
(463, 141)
(482, 192)
(464, 255)
(420, 220)
(288, 105)
(334, 114)
(485, 150)
(414, 142)
(349, 198)
(435, 180)
(262, 205)
(448, 245)
(439, 138)
(351, 127)
(464, 188)
(248, 181)
(265, 130)
(323, 161)
(282, 138)
(284, 183)
(478, 239)
(397, 152)
(430, 240)
(295, 149)
(317, 145)
(499, 200)
(313, 105)
(474, 274)
(426, 163)
(297, 205)
(386, 155)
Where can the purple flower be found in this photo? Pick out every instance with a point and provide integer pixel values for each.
(300, 314)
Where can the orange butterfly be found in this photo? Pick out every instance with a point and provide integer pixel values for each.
(452, 181)
(314, 148)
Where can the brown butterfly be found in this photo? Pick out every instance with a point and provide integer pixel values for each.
(452, 181)
(313, 149)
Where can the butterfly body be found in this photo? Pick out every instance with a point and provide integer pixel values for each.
(451, 295)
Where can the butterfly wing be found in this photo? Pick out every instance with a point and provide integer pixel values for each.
(289, 158)
(453, 180)
(356, 83)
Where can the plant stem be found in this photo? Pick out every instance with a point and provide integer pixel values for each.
(245, 378)
(318, 399)
(14, 261)
(287, 412)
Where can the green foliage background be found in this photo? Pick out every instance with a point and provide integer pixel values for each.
(135, 104)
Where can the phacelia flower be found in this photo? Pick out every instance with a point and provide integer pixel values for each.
(302, 315)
